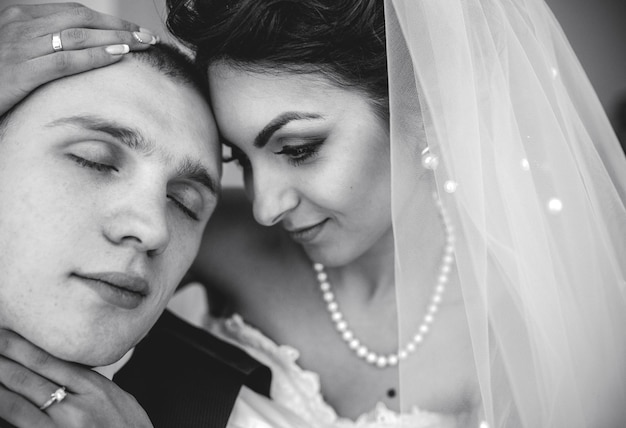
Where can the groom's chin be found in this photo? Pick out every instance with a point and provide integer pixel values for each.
(89, 350)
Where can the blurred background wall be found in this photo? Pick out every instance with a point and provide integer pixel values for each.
(596, 30)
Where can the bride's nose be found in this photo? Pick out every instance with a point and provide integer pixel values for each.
(273, 196)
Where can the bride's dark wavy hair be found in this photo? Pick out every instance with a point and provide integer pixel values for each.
(344, 40)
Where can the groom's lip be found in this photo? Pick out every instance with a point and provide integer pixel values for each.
(117, 288)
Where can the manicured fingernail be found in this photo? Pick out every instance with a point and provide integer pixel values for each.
(146, 38)
(117, 49)
(145, 30)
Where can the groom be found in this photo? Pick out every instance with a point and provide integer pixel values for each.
(107, 179)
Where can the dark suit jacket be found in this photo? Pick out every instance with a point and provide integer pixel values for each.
(185, 377)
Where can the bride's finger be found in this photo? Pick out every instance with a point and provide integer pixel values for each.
(22, 78)
(82, 38)
(74, 377)
(19, 12)
(22, 381)
(79, 17)
(20, 412)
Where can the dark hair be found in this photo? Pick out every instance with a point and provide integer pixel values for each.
(343, 40)
(172, 62)
(166, 59)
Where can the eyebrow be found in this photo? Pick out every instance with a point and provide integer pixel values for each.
(135, 141)
(126, 135)
(193, 171)
(278, 122)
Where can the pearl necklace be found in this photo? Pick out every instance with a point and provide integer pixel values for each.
(392, 359)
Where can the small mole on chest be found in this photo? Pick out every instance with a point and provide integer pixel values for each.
(391, 392)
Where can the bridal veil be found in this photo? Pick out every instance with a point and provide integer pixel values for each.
(534, 181)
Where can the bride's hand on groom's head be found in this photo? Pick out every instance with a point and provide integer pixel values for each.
(40, 43)
(39, 390)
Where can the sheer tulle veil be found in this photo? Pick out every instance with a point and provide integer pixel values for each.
(534, 181)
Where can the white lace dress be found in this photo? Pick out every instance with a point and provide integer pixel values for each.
(296, 397)
(296, 400)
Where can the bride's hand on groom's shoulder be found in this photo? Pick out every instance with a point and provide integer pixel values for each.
(41, 43)
(39, 390)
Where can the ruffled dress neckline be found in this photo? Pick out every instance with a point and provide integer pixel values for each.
(298, 390)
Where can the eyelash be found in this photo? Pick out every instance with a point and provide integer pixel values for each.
(299, 154)
(100, 167)
(184, 209)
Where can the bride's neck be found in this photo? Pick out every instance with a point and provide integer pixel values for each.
(374, 271)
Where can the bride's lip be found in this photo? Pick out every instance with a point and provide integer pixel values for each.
(307, 233)
(117, 288)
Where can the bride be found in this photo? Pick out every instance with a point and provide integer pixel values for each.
(478, 275)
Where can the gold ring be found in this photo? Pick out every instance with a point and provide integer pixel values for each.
(56, 42)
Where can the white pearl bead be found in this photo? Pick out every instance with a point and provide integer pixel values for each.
(555, 205)
(525, 164)
(381, 362)
(430, 161)
(361, 351)
(450, 186)
(393, 359)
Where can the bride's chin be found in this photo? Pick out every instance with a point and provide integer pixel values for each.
(329, 256)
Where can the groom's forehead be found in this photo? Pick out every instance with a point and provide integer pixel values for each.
(106, 90)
